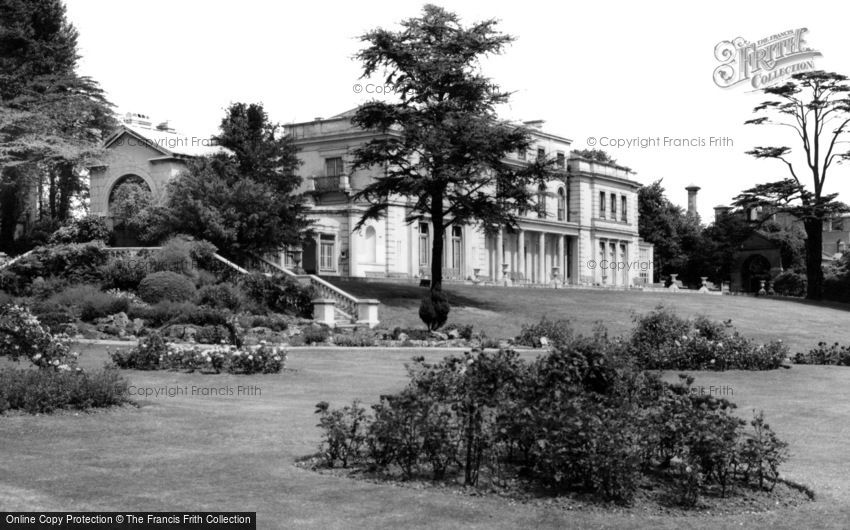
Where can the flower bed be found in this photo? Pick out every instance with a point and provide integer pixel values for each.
(154, 353)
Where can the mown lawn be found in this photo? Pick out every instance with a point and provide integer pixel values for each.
(501, 311)
(237, 452)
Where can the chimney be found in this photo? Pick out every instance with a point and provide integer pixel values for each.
(692, 199)
(720, 211)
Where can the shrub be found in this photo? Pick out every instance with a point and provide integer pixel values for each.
(790, 283)
(823, 354)
(44, 391)
(555, 332)
(315, 334)
(160, 313)
(166, 285)
(154, 353)
(145, 356)
(22, 335)
(434, 310)
(213, 335)
(82, 230)
(175, 255)
(273, 322)
(699, 344)
(581, 418)
(90, 301)
(124, 273)
(763, 453)
(464, 331)
(222, 295)
(75, 262)
(354, 340)
(343, 432)
(278, 293)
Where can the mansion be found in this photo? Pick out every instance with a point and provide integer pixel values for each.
(583, 232)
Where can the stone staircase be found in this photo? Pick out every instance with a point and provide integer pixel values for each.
(348, 311)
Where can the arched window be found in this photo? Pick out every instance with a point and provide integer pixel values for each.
(541, 201)
(562, 203)
(370, 250)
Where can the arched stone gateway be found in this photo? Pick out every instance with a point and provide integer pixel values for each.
(757, 259)
(755, 269)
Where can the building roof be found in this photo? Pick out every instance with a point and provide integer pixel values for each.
(168, 142)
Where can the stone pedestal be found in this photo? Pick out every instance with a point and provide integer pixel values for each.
(367, 312)
(323, 311)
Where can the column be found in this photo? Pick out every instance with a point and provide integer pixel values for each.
(499, 243)
(541, 261)
(562, 262)
(521, 253)
(352, 244)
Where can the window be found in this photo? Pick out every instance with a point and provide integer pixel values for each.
(567, 202)
(370, 250)
(623, 207)
(541, 201)
(613, 207)
(521, 154)
(602, 204)
(424, 245)
(541, 153)
(327, 252)
(562, 162)
(561, 205)
(457, 247)
(333, 167)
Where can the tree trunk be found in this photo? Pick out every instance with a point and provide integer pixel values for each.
(437, 244)
(814, 258)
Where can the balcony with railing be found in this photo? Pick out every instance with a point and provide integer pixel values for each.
(333, 183)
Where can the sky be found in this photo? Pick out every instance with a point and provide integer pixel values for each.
(599, 73)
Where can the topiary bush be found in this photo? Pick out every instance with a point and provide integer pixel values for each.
(166, 285)
(434, 310)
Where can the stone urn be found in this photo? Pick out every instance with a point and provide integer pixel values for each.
(762, 291)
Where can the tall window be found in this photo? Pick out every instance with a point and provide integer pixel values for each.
(457, 247)
(333, 167)
(327, 252)
(568, 200)
(623, 208)
(541, 201)
(424, 245)
(562, 162)
(613, 207)
(521, 154)
(602, 204)
(562, 201)
(371, 248)
(541, 153)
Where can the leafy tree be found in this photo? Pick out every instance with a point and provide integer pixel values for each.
(242, 200)
(127, 203)
(673, 233)
(52, 121)
(443, 148)
(815, 105)
(598, 155)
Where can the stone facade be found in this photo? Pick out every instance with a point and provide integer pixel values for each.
(587, 233)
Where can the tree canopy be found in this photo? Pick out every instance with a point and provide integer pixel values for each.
(815, 105)
(52, 120)
(242, 200)
(443, 148)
